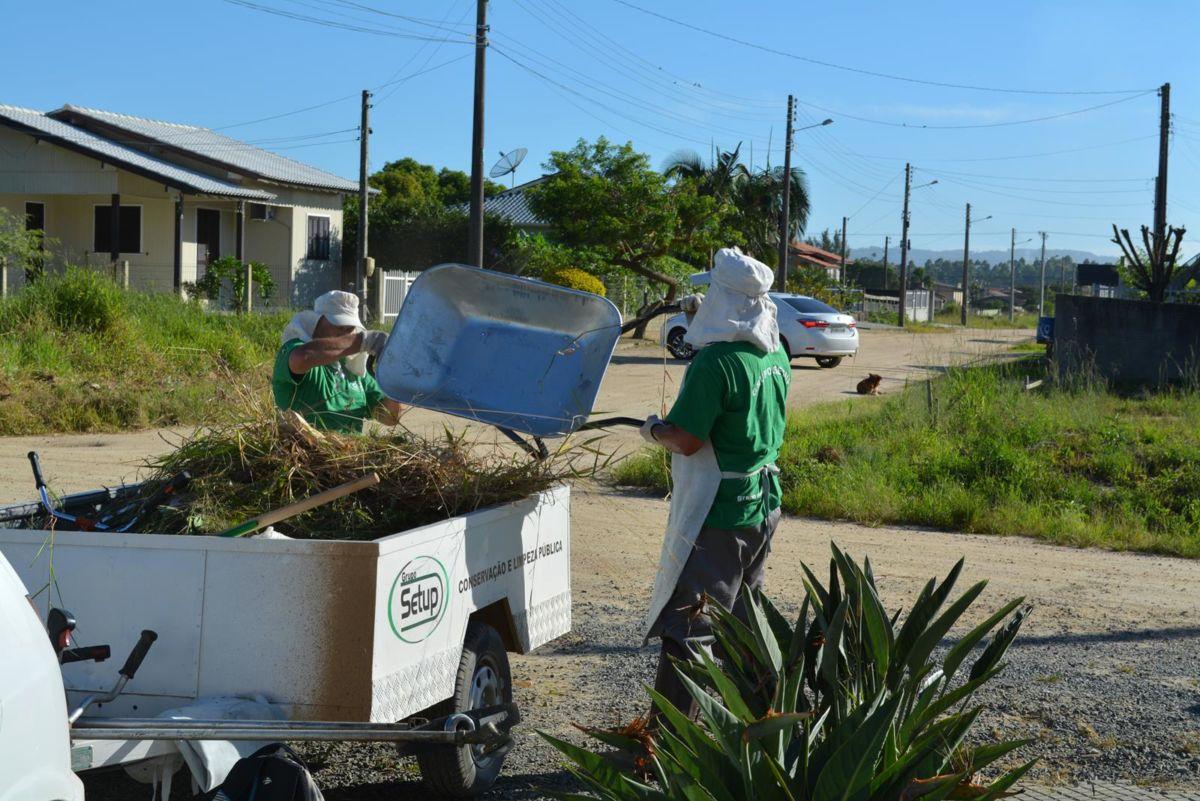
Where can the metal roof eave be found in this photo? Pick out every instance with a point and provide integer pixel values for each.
(107, 158)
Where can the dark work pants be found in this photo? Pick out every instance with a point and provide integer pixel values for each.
(722, 562)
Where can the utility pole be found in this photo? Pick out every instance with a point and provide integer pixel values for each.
(966, 300)
(360, 256)
(784, 217)
(1042, 293)
(843, 251)
(885, 263)
(904, 242)
(1012, 275)
(475, 238)
(1160, 183)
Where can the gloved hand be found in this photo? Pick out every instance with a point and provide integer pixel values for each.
(690, 304)
(373, 342)
(647, 430)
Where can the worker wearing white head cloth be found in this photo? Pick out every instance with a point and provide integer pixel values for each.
(320, 369)
(724, 433)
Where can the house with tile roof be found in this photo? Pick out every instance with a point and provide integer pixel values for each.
(170, 199)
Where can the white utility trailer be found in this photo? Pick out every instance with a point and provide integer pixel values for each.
(400, 630)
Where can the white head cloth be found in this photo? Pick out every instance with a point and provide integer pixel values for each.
(736, 307)
(339, 308)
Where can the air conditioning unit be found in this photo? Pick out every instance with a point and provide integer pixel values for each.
(261, 211)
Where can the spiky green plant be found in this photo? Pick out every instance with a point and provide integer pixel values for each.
(847, 704)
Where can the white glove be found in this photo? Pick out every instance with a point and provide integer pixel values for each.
(373, 342)
(647, 430)
(690, 304)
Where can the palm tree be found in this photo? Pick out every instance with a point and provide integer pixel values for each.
(756, 197)
(716, 180)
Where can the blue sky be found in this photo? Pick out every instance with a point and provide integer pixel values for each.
(563, 69)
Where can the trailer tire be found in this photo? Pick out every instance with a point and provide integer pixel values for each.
(483, 680)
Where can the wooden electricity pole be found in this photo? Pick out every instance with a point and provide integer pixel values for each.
(360, 256)
(904, 242)
(966, 278)
(786, 211)
(1160, 183)
(475, 237)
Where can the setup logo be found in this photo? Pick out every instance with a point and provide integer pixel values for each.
(418, 599)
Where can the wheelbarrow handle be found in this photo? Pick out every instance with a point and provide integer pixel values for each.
(666, 308)
(609, 422)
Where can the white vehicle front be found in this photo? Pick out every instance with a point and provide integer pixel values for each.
(808, 328)
(35, 744)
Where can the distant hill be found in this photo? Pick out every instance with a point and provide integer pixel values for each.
(919, 256)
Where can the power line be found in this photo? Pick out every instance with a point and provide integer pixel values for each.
(1009, 123)
(440, 24)
(398, 34)
(872, 73)
(877, 194)
(1023, 155)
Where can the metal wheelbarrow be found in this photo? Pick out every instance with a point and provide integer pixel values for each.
(519, 354)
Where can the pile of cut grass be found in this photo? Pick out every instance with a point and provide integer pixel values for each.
(254, 462)
(1072, 462)
(79, 354)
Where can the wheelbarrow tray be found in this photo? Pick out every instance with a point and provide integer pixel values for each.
(331, 630)
(511, 352)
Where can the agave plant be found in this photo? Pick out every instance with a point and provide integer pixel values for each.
(847, 704)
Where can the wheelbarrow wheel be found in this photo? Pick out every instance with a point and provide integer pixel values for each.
(483, 680)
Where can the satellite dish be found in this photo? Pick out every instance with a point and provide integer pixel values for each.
(508, 164)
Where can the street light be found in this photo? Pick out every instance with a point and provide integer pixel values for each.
(1012, 274)
(785, 209)
(966, 274)
(901, 306)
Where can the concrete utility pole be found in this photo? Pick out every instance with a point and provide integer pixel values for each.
(1012, 275)
(1042, 293)
(885, 263)
(843, 251)
(1160, 183)
(904, 242)
(966, 298)
(475, 238)
(360, 257)
(786, 211)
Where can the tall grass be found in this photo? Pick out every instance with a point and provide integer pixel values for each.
(78, 353)
(1071, 462)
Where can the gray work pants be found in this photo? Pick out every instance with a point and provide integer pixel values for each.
(722, 562)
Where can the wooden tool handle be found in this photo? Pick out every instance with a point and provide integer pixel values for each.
(293, 509)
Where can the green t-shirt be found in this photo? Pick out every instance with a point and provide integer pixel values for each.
(328, 397)
(735, 396)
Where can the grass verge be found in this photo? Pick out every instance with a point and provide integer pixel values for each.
(1072, 463)
(79, 354)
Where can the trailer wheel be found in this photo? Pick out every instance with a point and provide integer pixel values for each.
(483, 680)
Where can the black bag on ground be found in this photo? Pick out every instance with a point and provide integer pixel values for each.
(272, 773)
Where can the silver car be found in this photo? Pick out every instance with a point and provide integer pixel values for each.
(808, 328)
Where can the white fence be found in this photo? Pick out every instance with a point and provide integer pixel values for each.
(916, 309)
(395, 289)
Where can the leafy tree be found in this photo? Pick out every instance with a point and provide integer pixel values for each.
(410, 192)
(604, 199)
(21, 248)
(831, 242)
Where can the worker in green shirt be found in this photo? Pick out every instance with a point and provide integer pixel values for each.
(320, 369)
(724, 433)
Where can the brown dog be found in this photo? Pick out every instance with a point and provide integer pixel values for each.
(870, 385)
